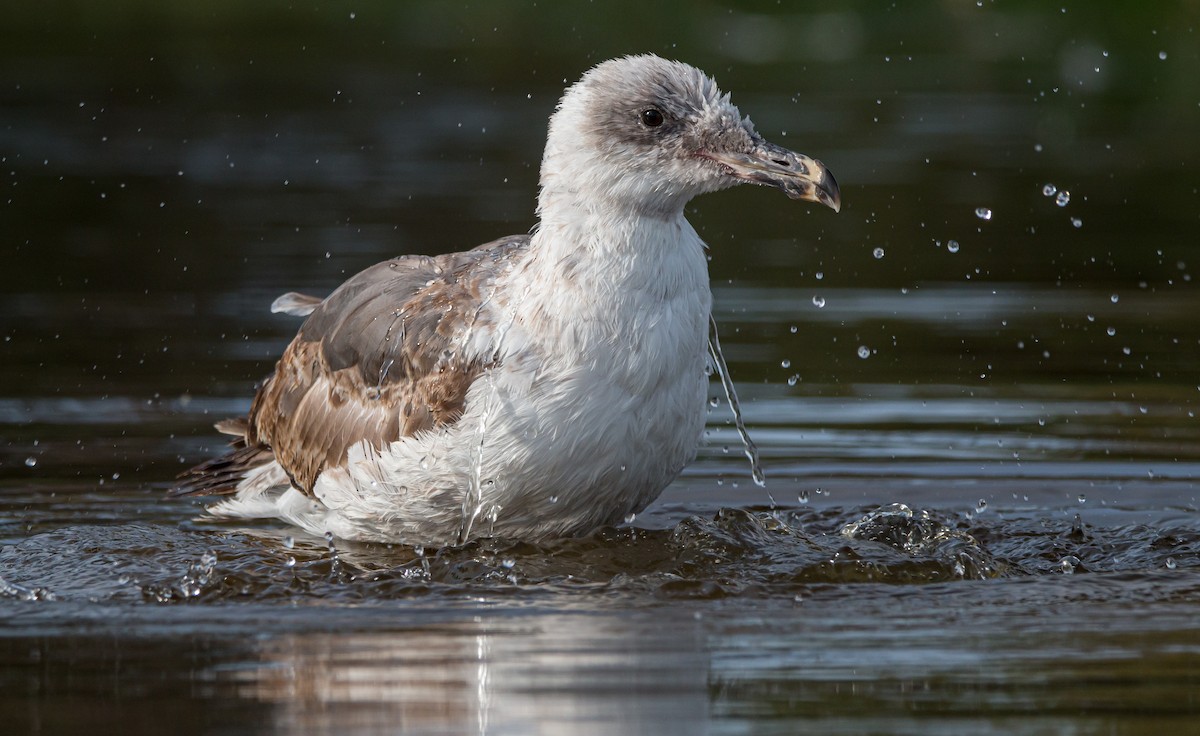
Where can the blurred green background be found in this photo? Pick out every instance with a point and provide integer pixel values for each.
(381, 114)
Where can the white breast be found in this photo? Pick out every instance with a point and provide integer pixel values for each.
(597, 403)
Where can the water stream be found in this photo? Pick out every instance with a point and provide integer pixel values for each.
(722, 371)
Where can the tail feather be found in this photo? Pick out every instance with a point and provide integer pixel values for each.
(296, 304)
(221, 475)
(236, 427)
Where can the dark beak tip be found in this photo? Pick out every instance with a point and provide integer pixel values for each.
(829, 187)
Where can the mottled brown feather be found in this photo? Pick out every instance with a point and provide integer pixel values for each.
(377, 360)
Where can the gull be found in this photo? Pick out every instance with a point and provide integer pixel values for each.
(537, 386)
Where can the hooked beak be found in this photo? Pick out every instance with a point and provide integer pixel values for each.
(799, 176)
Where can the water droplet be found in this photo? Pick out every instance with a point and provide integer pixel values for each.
(1063, 198)
(714, 402)
(983, 213)
(1049, 190)
(864, 352)
(630, 517)
(785, 363)
(819, 275)
(30, 461)
(289, 561)
(1162, 55)
(818, 302)
(803, 497)
(878, 253)
(1082, 498)
(289, 542)
(952, 246)
(553, 499)
(1078, 223)
(1115, 298)
(981, 506)
(793, 329)
(508, 563)
(793, 379)
(1171, 563)
(1111, 331)
(1068, 564)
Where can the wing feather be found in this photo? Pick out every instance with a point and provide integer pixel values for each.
(379, 359)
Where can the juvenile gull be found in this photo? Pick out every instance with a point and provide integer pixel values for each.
(539, 385)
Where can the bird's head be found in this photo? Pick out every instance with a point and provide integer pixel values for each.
(649, 134)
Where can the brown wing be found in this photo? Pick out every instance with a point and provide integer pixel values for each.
(377, 360)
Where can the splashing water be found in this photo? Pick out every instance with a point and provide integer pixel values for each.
(335, 562)
(751, 449)
(24, 592)
(199, 577)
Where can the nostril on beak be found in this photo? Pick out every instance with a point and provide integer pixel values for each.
(781, 162)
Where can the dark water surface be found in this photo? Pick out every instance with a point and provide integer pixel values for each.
(988, 524)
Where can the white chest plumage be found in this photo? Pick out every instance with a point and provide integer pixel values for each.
(596, 404)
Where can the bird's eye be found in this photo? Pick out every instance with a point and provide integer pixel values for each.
(652, 118)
